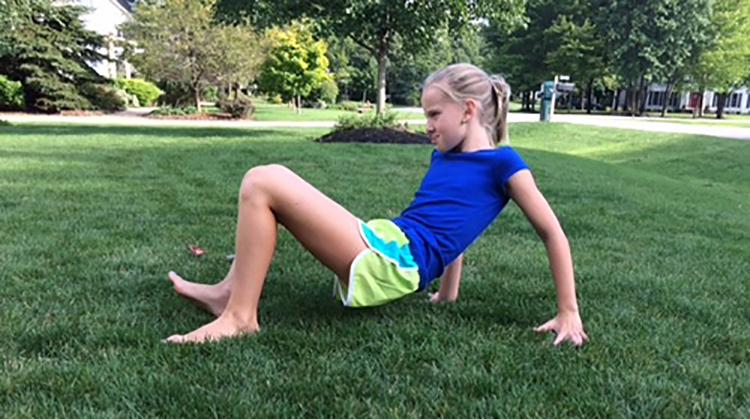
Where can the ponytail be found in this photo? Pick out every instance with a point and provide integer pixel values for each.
(501, 96)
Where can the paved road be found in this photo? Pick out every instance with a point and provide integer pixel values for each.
(134, 118)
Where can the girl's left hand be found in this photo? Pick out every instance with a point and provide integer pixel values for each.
(566, 326)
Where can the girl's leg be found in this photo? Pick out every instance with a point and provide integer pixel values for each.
(270, 195)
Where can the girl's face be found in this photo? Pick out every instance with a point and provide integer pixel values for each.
(444, 119)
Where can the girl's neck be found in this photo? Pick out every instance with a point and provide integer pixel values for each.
(475, 140)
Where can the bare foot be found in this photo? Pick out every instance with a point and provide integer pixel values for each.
(206, 297)
(223, 327)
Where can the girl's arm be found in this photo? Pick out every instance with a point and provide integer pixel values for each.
(567, 324)
(449, 282)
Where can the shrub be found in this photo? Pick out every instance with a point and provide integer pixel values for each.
(169, 110)
(106, 98)
(327, 92)
(276, 99)
(4, 123)
(11, 94)
(145, 91)
(211, 94)
(347, 105)
(370, 120)
(175, 94)
(241, 108)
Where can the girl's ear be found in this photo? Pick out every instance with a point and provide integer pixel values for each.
(470, 109)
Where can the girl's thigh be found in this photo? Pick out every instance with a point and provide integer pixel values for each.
(325, 228)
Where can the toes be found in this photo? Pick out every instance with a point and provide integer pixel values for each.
(174, 339)
(174, 277)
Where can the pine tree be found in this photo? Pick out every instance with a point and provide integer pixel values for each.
(46, 47)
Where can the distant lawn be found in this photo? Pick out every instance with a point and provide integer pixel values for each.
(92, 218)
(271, 112)
(742, 121)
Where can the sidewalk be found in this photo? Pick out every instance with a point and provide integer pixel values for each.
(653, 125)
(133, 117)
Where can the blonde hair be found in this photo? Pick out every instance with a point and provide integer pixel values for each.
(492, 94)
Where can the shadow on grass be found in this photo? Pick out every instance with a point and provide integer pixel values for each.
(191, 132)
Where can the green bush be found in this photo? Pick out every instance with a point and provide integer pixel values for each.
(4, 123)
(241, 108)
(145, 91)
(370, 120)
(105, 97)
(169, 111)
(347, 105)
(11, 94)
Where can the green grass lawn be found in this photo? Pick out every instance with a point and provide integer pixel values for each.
(271, 112)
(92, 218)
(742, 121)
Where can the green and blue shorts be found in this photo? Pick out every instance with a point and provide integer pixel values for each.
(383, 272)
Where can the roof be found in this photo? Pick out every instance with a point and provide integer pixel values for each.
(126, 4)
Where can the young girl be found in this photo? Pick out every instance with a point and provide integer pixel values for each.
(467, 185)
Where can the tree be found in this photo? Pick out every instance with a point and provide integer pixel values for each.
(375, 24)
(180, 43)
(239, 55)
(520, 54)
(46, 48)
(296, 63)
(176, 42)
(410, 68)
(725, 63)
(651, 40)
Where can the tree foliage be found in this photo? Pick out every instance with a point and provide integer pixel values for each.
(725, 63)
(375, 24)
(653, 40)
(296, 63)
(178, 43)
(46, 48)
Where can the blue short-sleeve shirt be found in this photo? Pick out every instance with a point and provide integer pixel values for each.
(460, 195)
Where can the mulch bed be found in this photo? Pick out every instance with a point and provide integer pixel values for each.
(375, 135)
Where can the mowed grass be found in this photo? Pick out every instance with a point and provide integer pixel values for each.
(265, 112)
(92, 218)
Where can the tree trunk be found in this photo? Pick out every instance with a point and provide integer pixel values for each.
(667, 97)
(720, 104)
(382, 61)
(533, 101)
(615, 100)
(299, 104)
(197, 98)
(589, 95)
(642, 91)
(700, 104)
(632, 99)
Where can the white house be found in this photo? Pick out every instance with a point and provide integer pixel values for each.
(738, 101)
(104, 17)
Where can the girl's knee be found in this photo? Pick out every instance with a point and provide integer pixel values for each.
(259, 179)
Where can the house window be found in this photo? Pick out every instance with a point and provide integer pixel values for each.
(656, 99)
(748, 100)
(734, 100)
(674, 100)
